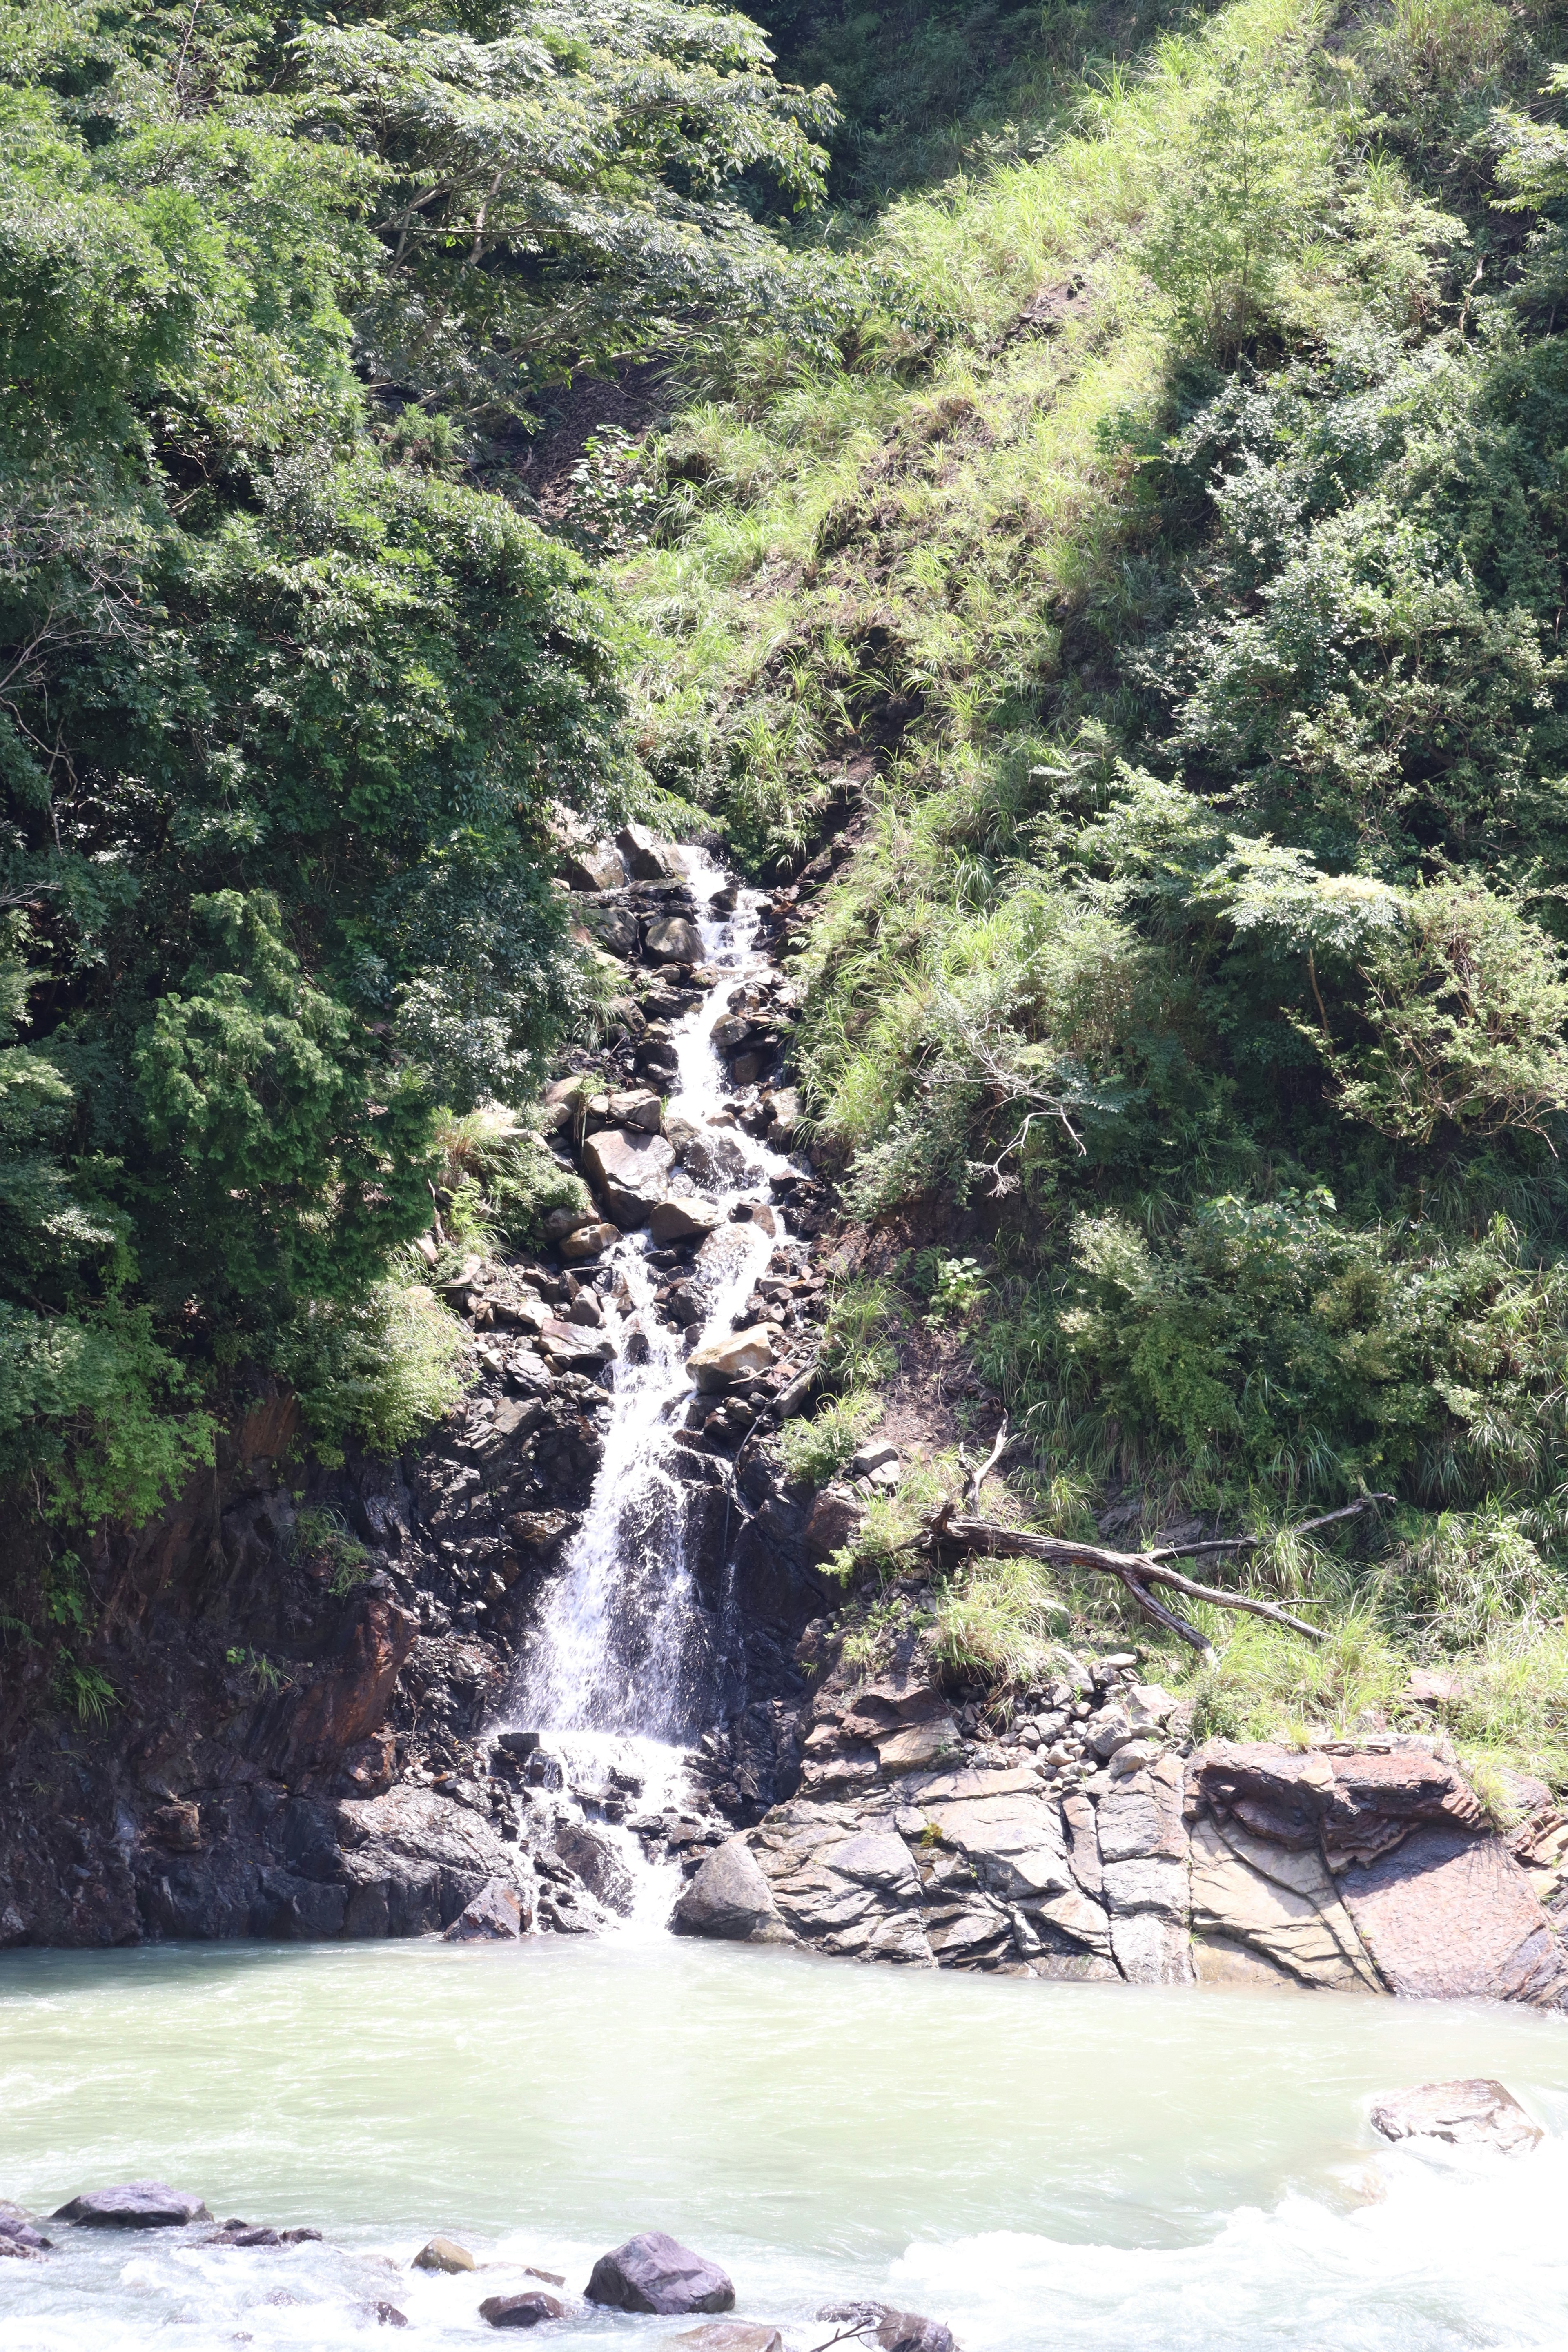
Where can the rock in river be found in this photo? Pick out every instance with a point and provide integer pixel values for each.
(729, 1899)
(652, 2273)
(628, 1168)
(890, 2330)
(138, 2205)
(740, 1356)
(443, 2254)
(495, 1916)
(1473, 2114)
(521, 2310)
(731, 2335)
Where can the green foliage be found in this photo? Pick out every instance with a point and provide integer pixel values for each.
(502, 1178)
(323, 1542)
(379, 1370)
(815, 1449)
(856, 1352)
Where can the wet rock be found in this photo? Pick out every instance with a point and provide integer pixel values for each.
(729, 1899)
(1477, 2113)
(674, 940)
(413, 1861)
(653, 2273)
(443, 2254)
(715, 1160)
(681, 1217)
(648, 859)
(19, 2240)
(891, 2330)
(592, 1858)
(628, 1168)
(495, 1916)
(588, 1241)
(383, 2314)
(138, 2205)
(740, 1356)
(528, 2310)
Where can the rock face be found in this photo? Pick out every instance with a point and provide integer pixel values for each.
(1472, 2113)
(139, 2205)
(494, 1915)
(1367, 1870)
(653, 2273)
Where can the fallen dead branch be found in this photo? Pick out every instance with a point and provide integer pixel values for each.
(1135, 1570)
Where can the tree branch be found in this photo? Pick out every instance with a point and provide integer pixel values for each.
(1246, 1543)
(1135, 1570)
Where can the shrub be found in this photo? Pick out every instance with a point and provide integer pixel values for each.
(379, 1370)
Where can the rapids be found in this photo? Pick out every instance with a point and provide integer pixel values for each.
(1080, 2168)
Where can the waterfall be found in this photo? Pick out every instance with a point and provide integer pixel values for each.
(622, 1644)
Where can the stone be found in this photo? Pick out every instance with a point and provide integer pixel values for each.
(891, 2330)
(714, 1159)
(138, 2205)
(731, 2335)
(729, 1899)
(653, 2273)
(741, 1356)
(916, 1747)
(1426, 1688)
(637, 1106)
(597, 868)
(648, 859)
(1477, 2113)
(593, 1857)
(1108, 1730)
(836, 1518)
(1148, 1706)
(874, 1454)
(385, 2314)
(682, 1217)
(496, 1917)
(529, 2310)
(628, 1169)
(1447, 1915)
(589, 1240)
(178, 1826)
(1281, 1906)
(19, 2240)
(540, 1529)
(560, 1222)
(1151, 1948)
(443, 2254)
(674, 940)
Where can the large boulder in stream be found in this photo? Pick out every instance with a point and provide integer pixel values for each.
(137, 2205)
(628, 1168)
(738, 1355)
(729, 1899)
(1478, 2113)
(528, 2310)
(655, 2273)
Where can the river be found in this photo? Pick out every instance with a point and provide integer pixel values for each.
(1081, 2168)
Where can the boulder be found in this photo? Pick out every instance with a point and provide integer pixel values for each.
(629, 1169)
(589, 1240)
(648, 859)
(529, 2310)
(1477, 2113)
(729, 1899)
(653, 2272)
(385, 2314)
(636, 1107)
(562, 1221)
(731, 2335)
(674, 940)
(443, 2254)
(598, 868)
(682, 1217)
(495, 1916)
(917, 1747)
(138, 2205)
(714, 1159)
(19, 2242)
(836, 1518)
(891, 2330)
(592, 1858)
(740, 1356)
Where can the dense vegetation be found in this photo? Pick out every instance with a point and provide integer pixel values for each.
(1120, 458)
(289, 700)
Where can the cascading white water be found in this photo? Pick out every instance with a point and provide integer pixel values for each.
(622, 1643)
(622, 1665)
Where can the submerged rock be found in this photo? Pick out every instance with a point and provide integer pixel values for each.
(1476, 2112)
(529, 2310)
(653, 2273)
(443, 2254)
(495, 1916)
(137, 2205)
(731, 2335)
(891, 2330)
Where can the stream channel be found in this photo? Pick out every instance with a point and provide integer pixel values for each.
(1083, 2167)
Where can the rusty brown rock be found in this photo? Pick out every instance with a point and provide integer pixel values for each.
(1449, 1916)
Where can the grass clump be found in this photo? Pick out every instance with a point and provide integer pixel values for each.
(816, 1450)
(377, 1371)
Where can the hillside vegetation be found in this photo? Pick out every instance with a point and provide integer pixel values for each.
(1112, 465)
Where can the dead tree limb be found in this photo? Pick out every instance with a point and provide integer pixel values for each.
(1135, 1570)
(1249, 1543)
(978, 1477)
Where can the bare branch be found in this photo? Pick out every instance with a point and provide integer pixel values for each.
(1248, 1543)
